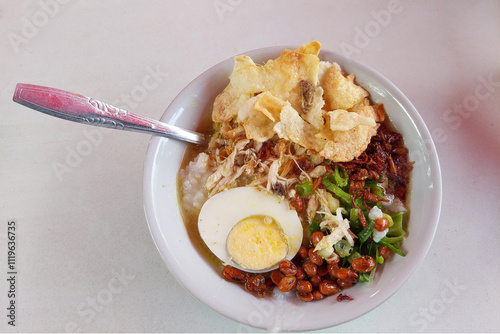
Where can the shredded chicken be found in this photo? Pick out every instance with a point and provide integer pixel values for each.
(226, 170)
(312, 207)
(338, 228)
(272, 177)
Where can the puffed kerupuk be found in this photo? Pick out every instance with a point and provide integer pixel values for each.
(299, 98)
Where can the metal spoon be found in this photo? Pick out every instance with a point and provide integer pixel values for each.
(82, 109)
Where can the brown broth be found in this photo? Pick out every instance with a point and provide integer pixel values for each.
(190, 219)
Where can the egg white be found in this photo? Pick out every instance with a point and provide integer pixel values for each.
(221, 212)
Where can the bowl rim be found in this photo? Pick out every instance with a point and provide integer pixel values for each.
(162, 244)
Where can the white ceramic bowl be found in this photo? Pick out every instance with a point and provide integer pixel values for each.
(164, 157)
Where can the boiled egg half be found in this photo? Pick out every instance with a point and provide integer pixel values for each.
(249, 228)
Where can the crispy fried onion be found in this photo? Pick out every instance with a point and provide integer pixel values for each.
(387, 156)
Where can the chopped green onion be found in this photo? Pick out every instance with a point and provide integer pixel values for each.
(345, 203)
(359, 202)
(325, 253)
(372, 274)
(314, 226)
(305, 188)
(391, 246)
(389, 218)
(343, 248)
(372, 249)
(377, 191)
(342, 181)
(335, 189)
(370, 183)
(354, 223)
(353, 215)
(329, 178)
(398, 221)
(394, 240)
(364, 277)
(378, 258)
(367, 231)
(396, 232)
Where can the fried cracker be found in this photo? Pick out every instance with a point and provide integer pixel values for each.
(341, 92)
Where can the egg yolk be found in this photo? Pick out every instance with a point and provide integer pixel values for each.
(257, 243)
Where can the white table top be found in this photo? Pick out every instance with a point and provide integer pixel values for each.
(84, 255)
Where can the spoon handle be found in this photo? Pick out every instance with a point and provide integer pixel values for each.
(82, 109)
